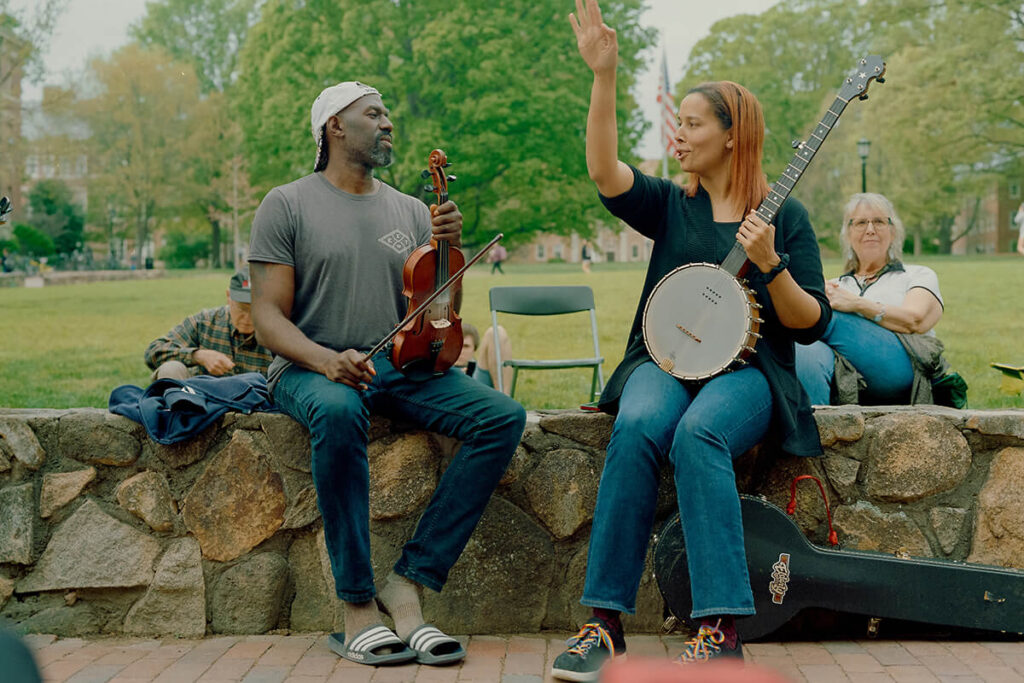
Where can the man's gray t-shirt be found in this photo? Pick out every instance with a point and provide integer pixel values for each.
(347, 251)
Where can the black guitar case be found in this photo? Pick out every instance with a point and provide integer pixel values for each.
(788, 574)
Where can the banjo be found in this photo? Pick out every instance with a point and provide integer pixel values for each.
(701, 318)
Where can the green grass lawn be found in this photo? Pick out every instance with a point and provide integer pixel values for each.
(68, 346)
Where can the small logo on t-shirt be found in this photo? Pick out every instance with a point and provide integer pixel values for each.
(397, 240)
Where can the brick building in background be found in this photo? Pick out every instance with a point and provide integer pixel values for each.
(992, 213)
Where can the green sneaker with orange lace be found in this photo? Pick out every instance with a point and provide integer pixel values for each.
(588, 650)
(710, 644)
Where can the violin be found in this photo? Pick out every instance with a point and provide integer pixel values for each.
(429, 344)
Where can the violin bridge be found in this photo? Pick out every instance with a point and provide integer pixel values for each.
(440, 323)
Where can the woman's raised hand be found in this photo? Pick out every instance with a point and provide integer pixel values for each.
(598, 44)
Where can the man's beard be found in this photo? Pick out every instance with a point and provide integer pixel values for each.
(380, 156)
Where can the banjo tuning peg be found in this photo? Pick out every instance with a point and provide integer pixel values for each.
(795, 144)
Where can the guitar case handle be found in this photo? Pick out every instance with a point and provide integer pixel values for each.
(833, 539)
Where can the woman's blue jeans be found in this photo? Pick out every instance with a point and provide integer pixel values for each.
(488, 423)
(661, 420)
(875, 351)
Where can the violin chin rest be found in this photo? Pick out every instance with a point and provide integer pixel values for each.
(420, 370)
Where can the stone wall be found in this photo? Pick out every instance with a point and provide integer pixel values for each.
(104, 531)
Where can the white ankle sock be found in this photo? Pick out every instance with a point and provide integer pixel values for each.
(401, 597)
(359, 615)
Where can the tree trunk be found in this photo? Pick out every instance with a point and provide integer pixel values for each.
(215, 259)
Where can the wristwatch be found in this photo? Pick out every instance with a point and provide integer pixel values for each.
(881, 314)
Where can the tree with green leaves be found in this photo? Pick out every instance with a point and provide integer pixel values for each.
(949, 115)
(24, 35)
(204, 33)
(207, 34)
(498, 86)
(141, 117)
(55, 213)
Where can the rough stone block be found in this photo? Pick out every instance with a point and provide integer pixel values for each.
(22, 442)
(303, 510)
(289, 441)
(864, 527)
(912, 456)
(497, 586)
(997, 423)
(61, 488)
(237, 503)
(247, 597)
(91, 549)
(838, 424)
(175, 604)
(562, 490)
(587, 428)
(99, 438)
(403, 474)
(17, 522)
(948, 524)
(148, 496)
(999, 528)
(313, 606)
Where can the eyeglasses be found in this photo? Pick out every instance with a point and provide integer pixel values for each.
(862, 223)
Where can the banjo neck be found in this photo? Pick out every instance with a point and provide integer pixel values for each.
(736, 262)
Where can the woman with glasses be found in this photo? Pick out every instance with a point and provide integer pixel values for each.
(881, 334)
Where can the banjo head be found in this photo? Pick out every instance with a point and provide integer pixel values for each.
(698, 321)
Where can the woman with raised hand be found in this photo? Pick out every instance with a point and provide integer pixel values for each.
(697, 427)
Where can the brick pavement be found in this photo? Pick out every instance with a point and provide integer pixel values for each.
(514, 659)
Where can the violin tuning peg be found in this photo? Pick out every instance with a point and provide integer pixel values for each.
(429, 188)
(451, 179)
(425, 174)
(447, 164)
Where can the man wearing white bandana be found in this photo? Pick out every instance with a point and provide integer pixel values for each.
(326, 264)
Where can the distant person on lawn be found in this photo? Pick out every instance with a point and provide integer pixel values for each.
(215, 341)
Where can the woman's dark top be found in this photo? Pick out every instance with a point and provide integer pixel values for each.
(684, 231)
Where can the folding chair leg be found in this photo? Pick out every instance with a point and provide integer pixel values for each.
(593, 385)
(515, 375)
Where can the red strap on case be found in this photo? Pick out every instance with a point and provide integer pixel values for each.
(833, 538)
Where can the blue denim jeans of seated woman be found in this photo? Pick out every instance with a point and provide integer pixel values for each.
(875, 351)
(488, 423)
(663, 421)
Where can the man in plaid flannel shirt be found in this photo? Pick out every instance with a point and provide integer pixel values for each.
(215, 341)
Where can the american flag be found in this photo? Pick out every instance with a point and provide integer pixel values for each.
(667, 110)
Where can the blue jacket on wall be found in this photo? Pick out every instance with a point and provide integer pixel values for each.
(175, 410)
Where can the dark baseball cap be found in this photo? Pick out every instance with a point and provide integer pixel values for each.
(239, 287)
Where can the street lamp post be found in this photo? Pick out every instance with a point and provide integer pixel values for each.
(863, 147)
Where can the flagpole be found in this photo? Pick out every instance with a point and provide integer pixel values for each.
(666, 94)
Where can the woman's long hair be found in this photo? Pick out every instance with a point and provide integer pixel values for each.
(738, 110)
(883, 205)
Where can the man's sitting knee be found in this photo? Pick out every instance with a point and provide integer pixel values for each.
(172, 369)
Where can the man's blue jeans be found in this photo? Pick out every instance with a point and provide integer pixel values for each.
(875, 351)
(661, 420)
(488, 423)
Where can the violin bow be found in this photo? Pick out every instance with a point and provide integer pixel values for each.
(426, 302)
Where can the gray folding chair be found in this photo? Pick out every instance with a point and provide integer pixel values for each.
(545, 301)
